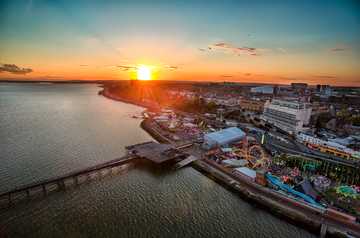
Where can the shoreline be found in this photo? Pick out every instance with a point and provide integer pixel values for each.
(105, 92)
(284, 207)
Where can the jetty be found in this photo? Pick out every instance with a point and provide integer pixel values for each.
(155, 152)
(151, 151)
(75, 178)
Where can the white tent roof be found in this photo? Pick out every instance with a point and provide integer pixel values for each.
(225, 136)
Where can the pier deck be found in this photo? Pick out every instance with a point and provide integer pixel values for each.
(152, 151)
(24, 192)
(155, 152)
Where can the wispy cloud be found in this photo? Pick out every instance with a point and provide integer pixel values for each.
(126, 67)
(52, 77)
(337, 49)
(171, 67)
(14, 69)
(340, 48)
(282, 50)
(129, 67)
(226, 47)
(288, 78)
(325, 76)
(226, 76)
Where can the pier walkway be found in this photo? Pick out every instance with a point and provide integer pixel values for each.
(151, 151)
(8, 198)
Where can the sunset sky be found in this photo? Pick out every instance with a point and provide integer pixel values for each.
(243, 41)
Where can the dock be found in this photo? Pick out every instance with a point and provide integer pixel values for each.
(155, 152)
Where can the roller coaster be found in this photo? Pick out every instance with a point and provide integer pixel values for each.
(254, 154)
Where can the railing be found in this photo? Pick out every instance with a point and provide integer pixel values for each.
(15, 194)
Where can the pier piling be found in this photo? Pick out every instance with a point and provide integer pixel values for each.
(46, 186)
(323, 230)
(44, 189)
(76, 180)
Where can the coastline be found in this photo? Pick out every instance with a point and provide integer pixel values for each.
(106, 93)
(284, 207)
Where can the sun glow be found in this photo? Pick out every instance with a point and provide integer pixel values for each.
(143, 73)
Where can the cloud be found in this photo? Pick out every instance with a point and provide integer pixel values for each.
(247, 74)
(226, 76)
(325, 76)
(337, 49)
(134, 67)
(14, 69)
(52, 77)
(340, 48)
(282, 50)
(171, 67)
(226, 47)
(288, 78)
(84, 65)
(126, 67)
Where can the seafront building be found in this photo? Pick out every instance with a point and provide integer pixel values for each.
(289, 116)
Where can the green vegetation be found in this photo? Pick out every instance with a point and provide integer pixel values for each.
(355, 119)
(197, 105)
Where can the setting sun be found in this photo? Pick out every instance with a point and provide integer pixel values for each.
(143, 73)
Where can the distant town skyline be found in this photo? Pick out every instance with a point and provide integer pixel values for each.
(277, 42)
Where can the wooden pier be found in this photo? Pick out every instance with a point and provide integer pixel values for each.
(26, 192)
(155, 152)
(151, 151)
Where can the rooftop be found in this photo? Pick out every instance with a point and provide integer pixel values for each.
(157, 153)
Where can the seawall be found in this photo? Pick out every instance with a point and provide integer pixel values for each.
(145, 125)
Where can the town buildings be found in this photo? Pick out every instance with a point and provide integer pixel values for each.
(329, 147)
(252, 105)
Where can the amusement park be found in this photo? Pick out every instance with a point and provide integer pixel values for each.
(241, 152)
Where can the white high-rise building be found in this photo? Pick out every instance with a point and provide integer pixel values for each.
(289, 116)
